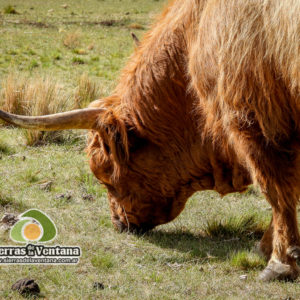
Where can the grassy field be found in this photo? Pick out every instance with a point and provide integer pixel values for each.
(200, 255)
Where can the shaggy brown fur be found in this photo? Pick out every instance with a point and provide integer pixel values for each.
(209, 99)
(251, 93)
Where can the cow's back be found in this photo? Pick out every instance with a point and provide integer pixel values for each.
(245, 66)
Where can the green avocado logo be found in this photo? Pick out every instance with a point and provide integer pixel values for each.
(33, 226)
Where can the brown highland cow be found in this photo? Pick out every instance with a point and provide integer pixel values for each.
(209, 100)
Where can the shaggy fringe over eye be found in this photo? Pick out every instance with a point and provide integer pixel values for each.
(112, 138)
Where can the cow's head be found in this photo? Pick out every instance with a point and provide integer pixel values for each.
(145, 185)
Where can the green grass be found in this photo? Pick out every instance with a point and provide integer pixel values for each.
(5, 149)
(247, 260)
(200, 255)
(241, 227)
(9, 10)
(39, 31)
(78, 60)
(103, 260)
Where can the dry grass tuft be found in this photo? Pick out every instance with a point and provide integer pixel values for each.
(48, 97)
(80, 51)
(136, 26)
(12, 97)
(43, 96)
(39, 96)
(91, 46)
(86, 91)
(72, 40)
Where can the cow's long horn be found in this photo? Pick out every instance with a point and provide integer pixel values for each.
(75, 119)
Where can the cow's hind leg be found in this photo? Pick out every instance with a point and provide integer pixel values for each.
(282, 264)
(265, 246)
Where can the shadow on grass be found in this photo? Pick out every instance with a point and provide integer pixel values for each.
(5, 149)
(200, 246)
(218, 240)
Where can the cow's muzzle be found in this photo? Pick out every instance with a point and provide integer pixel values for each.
(132, 228)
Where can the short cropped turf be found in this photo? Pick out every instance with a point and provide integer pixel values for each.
(203, 254)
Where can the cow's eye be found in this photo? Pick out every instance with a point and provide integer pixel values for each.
(106, 148)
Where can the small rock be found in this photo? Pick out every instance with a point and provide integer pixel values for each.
(174, 265)
(244, 277)
(46, 186)
(88, 197)
(112, 287)
(9, 219)
(63, 196)
(26, 286)
(108, 23)
(98, 286)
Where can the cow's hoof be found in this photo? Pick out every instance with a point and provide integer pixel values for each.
(277, 270)
(293, 252)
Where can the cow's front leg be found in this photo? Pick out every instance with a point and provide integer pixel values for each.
(286, 250)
